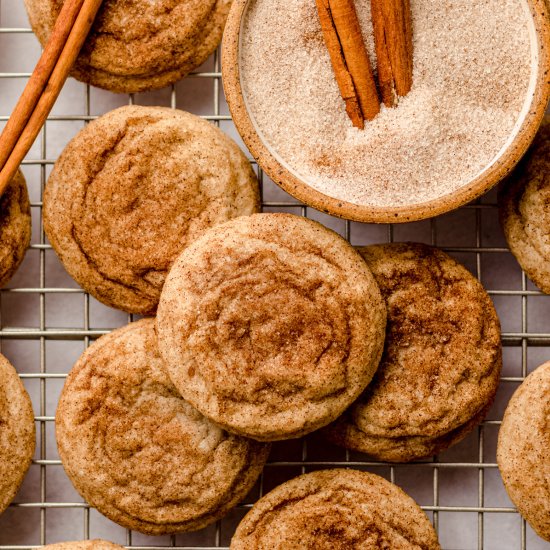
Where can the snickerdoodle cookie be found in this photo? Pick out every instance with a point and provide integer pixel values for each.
(16, 432)
(271, 325)
(524, 212)
(336, 510)
(15, 227)
(96, 544)
(137, 45)
(442, 357)
(523, 451)
(135, 187)
(139, 453)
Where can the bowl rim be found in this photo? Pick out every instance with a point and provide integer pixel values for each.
(302, 191)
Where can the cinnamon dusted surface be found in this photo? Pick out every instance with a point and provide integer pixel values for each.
(137, 451)
(95, 544)
(135, 187)
(442, 357)
(470, 80)
(524, 201)
(271, 325)
(523, 451)
(15, 227)
(336, 510)
(136, 45)
(17, 435)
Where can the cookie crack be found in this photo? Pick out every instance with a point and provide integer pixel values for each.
(104, 159)
(376, 523)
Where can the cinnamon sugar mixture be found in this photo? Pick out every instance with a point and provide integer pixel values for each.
(472, 65)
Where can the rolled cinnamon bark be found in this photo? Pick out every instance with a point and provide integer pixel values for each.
(349, 58)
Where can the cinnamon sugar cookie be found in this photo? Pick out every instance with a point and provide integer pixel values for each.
(442, 357)
(17, 433)
(137, 45)
(139, 453)
(335, 510)
(271, 325)
(15, 227)
(523, 452)
(96, 544)
(524, 213)
(135, 187)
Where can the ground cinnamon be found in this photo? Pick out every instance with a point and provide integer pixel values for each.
(392, 23)
(349, 58)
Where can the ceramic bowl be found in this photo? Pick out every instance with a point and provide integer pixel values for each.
(282, 174)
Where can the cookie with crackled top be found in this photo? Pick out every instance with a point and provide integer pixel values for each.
(442, 358)
(139, 453)
(523, 450)
(95, 544)
(138, 45)
(271, 325)
(17, 433)
(524, 213)
(135, 187)
(15, 227)
(335, 510)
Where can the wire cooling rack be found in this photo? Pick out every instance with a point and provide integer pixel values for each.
(46, 321)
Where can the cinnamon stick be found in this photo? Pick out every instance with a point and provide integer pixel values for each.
(67, 54)
(392, 23)
(39, 78)
(349, 58)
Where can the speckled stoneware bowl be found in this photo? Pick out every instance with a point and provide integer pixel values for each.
(288, 177)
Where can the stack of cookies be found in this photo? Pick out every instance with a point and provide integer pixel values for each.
(268, 327)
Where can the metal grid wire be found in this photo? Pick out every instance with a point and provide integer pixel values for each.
(292, 458)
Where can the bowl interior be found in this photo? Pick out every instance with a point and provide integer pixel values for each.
(302, 186)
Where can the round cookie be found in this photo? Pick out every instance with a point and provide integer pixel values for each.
(335, 510)
(271, 325)
(17, 433)
(523, 451)
(138, 45)
(442, 358)
(135, 187)
(15, 227)
(524, 214)
(139, 453)
(96, 544)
